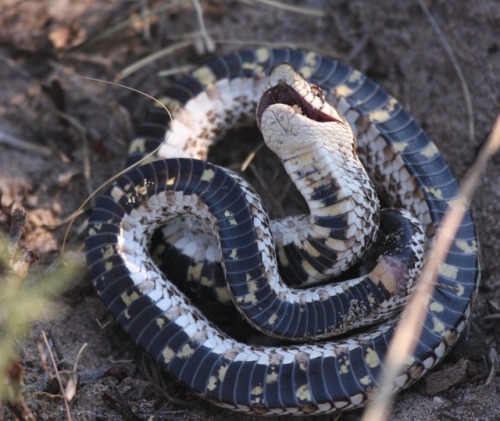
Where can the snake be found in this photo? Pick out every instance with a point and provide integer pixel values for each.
(291, 93)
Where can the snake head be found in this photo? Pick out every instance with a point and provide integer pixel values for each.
(287, 87)
(293, 108)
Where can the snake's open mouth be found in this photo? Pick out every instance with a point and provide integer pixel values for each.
(282, 93)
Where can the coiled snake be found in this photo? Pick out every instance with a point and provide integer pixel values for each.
(185, 196)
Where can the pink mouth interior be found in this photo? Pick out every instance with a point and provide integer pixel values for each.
(284, 94)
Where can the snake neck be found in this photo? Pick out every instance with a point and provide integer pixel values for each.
(344, 213)
(318, 150)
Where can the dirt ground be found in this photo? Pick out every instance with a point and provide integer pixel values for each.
(75, 134)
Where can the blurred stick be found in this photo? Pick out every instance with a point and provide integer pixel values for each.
(409, 328)
(23, 145)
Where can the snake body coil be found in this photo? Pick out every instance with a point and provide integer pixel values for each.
(407, 171)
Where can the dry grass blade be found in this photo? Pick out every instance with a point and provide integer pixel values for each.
(494, 366)
(289, 8)
(175, 70)
(127, 71)
(124, 20)
(248, 160)
(208, 43)
(144, 159)
(81, 133)
(451, 55)
(410, 325)
(54, 365)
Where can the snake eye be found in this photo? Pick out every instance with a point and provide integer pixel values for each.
(317, 92)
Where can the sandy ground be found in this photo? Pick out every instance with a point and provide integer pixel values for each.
(45, 45)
